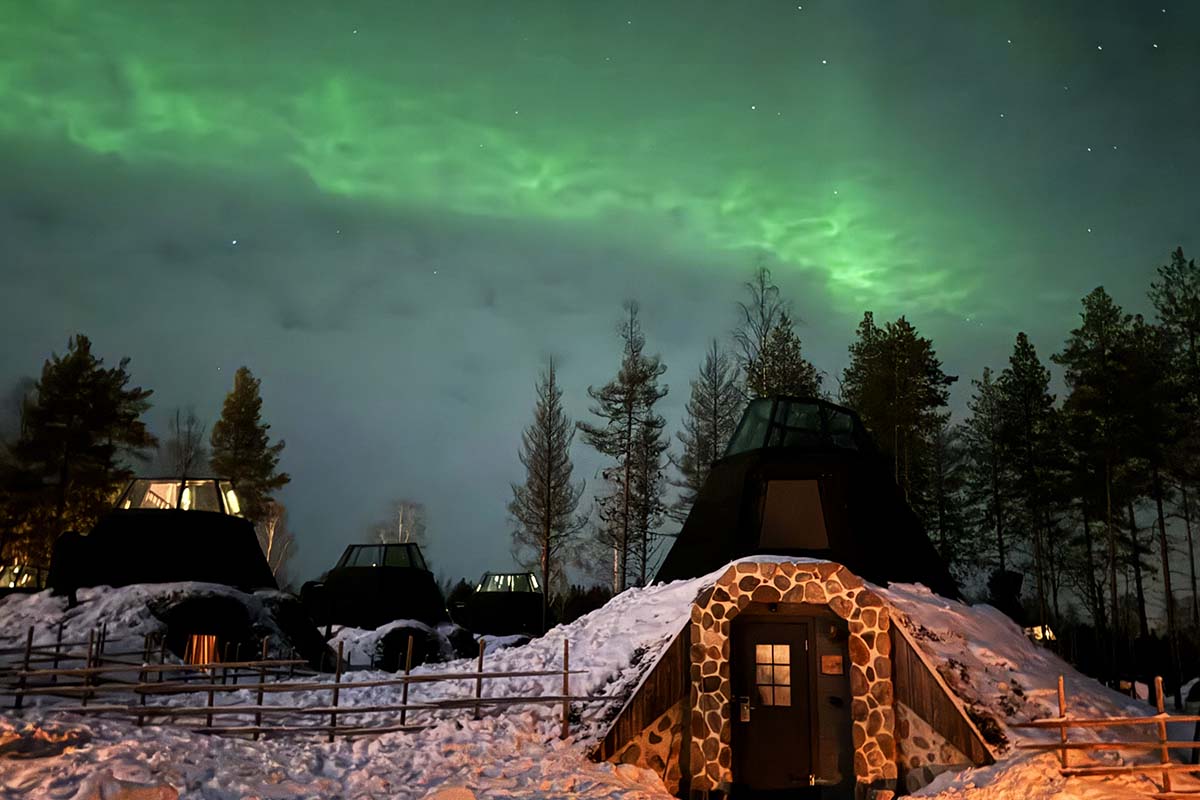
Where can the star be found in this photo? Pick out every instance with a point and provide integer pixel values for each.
(1155, 46)
(824, 61)
(1099, 47)
(355, 30)
(1001, 115)
(753, 108)
(1089, 149)
(1089, 230)
(234, 241)
(1010, 41)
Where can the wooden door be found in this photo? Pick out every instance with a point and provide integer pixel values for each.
(771, 714)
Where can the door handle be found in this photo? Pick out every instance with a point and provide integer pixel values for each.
(743, 703)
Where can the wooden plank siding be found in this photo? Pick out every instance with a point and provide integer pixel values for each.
(917, 684)
(667, 683)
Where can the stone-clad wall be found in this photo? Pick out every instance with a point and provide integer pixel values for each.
(924, 753)
(870, 670)
(658, 746)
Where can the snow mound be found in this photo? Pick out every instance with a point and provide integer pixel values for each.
(128, 614)
(515, 751)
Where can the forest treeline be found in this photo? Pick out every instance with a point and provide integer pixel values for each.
(1071, 511)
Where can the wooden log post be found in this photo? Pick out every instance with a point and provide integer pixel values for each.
(20, 699)
(479, 678)
(162, 653)
(87, 679)
(1062, 715)
(1164, 751)
(337, 686)
(404, 690)
(262, 679)
(57, 649)
(566, 688)
(141, 683)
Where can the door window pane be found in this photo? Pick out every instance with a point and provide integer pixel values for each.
(773, 674)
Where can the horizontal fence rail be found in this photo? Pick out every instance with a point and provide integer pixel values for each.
(1162, 744)
(98, 679)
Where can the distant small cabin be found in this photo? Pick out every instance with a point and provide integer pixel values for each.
(789, 674)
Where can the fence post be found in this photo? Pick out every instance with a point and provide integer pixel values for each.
(262, 679)
(1062, 715)
(87, 676)
(162, 653)
(404, 690)
(57, 650)
(292, 666)
(479, 678)
(20, 700)
(141, 685)
(1165, 754)
(211, 676)
(337, 685)
(566, 687)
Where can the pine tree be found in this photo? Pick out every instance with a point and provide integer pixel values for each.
(1176, 299)
(1159, 416)
(710, 418)
(987, 474)
(780, 367)
(649, 479)
(947, 525)
(1093, 363)
(544, 506)
(623, 406)
(241, 448)
(895, 382)
(1028, 429)
(79, 429)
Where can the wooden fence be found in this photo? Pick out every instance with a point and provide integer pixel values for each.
(109, 677)
(1161, 744)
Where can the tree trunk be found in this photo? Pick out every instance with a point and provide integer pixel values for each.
(999, 512)
(1187, 524)
(1115, 612)
(623, 550)
(1053, 573)
(1093, 587)
(1172, 633)
(1139, 587)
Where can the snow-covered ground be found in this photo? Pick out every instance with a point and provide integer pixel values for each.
(515, 752)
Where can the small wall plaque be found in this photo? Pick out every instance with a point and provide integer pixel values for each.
(831, 665)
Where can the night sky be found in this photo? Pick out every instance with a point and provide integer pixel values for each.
(393, 212)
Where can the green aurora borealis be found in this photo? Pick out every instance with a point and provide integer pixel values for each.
(584, 114)
(922, 158)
